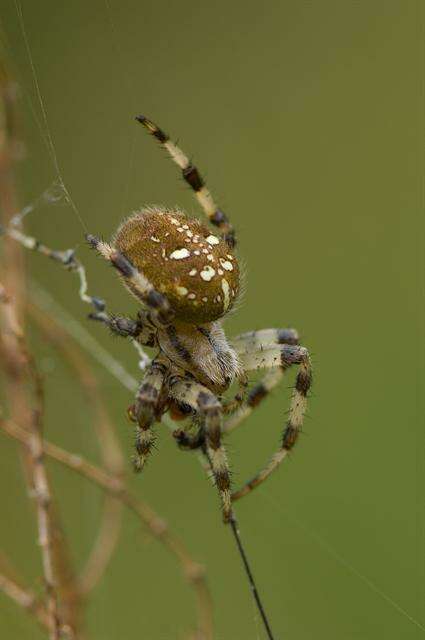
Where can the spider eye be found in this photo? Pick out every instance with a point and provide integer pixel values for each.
(184, 260)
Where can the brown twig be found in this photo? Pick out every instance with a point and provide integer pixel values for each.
(112, 457)
(14, 365)
(41, 487)
(15, 358)
(193, 572)
(44, 507)
(12, 586)
(24, 598)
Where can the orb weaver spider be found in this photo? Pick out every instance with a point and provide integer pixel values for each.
(188, 279)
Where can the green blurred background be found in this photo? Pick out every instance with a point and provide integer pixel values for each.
(306, 118)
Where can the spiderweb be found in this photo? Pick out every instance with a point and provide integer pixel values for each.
(56, 194)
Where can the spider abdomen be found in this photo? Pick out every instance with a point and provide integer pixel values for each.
(182, 259)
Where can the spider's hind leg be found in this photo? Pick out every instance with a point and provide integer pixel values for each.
(278, 359)
(257, 340)
(247, 344)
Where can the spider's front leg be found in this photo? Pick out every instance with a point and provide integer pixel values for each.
(202, 401)
(136, 282)
(145, 411)
(141, 330)
(194, 179)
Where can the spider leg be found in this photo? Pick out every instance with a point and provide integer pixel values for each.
(256, 341)
(141, 330)
(138, 284)
(65, 258)
(230, 406)
(193, 178)
(190, 441)
(208, 407)
(257, 394)
(282, 358)
(145, 410)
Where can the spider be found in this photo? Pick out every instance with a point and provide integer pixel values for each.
(187, 279)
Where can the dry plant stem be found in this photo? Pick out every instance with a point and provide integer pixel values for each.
(12, 256)
(44, 502)
(11, 150)
(24, 598)
(42, 493)
(112, 456)
(15, 358)
(12, 585)
(103, 547)
(192, 571)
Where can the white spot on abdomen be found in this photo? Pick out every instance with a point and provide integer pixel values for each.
(226, 264)
(212, 240)
(207, 273)
(179, 254)
(226, 291)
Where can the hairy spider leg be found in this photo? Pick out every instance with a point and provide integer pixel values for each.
(243, 402)
(279, 357)
(64, 258)
(193, 178)
(254, 341)
(255, 397)
(208, 407)
(145, 412)
(141, 329)
(138, 284)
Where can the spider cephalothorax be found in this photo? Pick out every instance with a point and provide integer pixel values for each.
(187, 278)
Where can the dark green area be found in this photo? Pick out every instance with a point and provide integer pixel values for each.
(306, 118)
